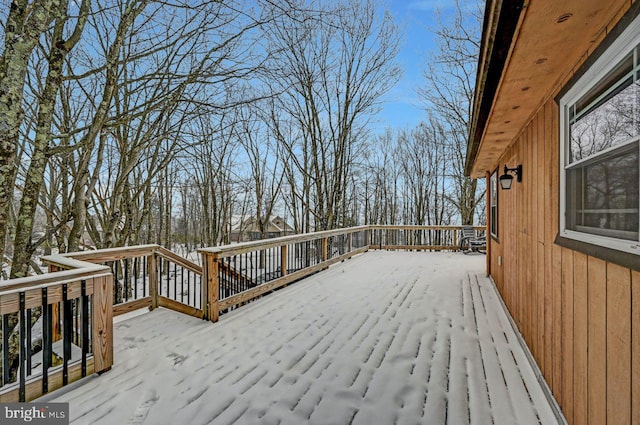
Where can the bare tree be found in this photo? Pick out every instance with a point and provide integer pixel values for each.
(116, 108)
(421, 154)
(266, 170)
(122, 82)
(24, 25)
(40, 151)
(211, 160)
(382, 180)
(331, 69)
(448, 94)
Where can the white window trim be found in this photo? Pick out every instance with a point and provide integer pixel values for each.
(614, 54)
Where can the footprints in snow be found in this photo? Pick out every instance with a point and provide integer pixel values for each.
(141, 412)
(177, 359)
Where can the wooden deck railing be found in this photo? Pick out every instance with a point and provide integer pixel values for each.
(75, 303)
(431, 238)
(236, 274)
(68, 316)
(57, 327)
(145, 276)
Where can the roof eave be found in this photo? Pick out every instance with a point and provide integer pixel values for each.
(499, 26)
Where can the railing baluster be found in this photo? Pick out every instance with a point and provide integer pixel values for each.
(66, 337)
(175, 281)
(135, 277)
(144, 276)
(182, 284)
(195, 289)
(76, 324)
(46, 340)
(248, 268)
(235, 278)
(167, 266)
(257, 269)
(263, 264)
(22, 347)
(116, 284)
(189, 287)
(6, 373)
(126, 279)
(283, 260)
(29, 337)
(85, 326)
(293, 257)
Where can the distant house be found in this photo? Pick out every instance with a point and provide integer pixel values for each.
(248, 230)
(557, 103)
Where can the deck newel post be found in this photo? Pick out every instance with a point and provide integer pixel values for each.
(211, 287)
(102, 323)
(411, 237)
(325, 248)
(153, 280)
(350, 242)
(367, 238)
(283, 260)
(455, 239)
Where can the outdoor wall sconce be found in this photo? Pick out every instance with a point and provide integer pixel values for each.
(506, 179)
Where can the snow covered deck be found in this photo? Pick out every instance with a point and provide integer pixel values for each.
(387, 337)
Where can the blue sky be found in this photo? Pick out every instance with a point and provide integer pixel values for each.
(417, 19)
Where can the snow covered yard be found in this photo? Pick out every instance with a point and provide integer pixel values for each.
(384, 338)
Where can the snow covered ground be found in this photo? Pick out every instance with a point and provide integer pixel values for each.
(387, 337)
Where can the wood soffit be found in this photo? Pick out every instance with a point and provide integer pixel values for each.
(549, 40)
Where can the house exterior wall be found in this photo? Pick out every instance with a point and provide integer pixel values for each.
(579, 315)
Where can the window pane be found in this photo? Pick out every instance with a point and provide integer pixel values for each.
(602, 197)
(608, 124)
(596, 95)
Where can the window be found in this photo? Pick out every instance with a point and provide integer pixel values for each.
(493, 204)
(599, 152)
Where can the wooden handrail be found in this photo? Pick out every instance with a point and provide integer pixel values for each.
(181, 261)
(244, 247)
(76, 259)
(419, 227)
(57, 278)
(102, 255)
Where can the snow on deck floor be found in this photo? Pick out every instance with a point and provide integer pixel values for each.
(384, 338)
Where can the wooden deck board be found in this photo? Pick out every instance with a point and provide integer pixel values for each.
(388, 337)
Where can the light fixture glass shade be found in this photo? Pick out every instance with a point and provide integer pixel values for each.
(505, 181)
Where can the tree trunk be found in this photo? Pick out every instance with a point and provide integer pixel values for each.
(25, 23)
(23, 248)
